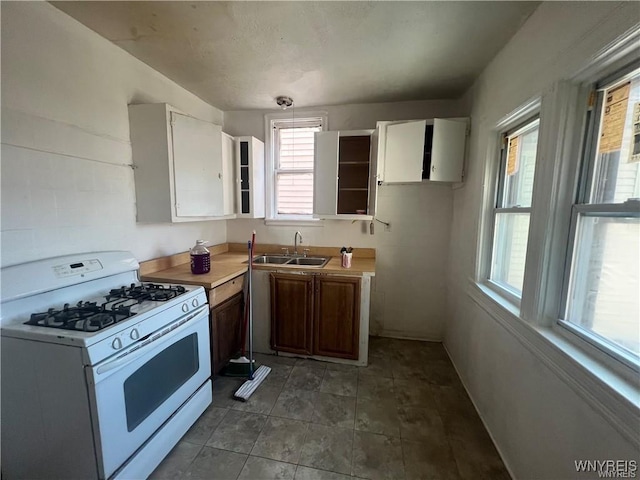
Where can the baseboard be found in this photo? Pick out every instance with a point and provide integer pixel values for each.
(408, 336)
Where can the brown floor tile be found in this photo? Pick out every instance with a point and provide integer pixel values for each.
(342, 367)
(413, 393)
(203, 428)
(327, 448)
(279, 374)
(223, 390)
(305, 378)
(372, 387)
(177, 462)
(281, 439)
(264, 469)
(261, 401)
(377, 416)
(410, 416)
(307, 473)
(310, 363)
(212, 463)
(335, 411)
(340, 383)
(377, 457)
(422, 424)
(377, 366)
(432, 460)
(237, 432)
(295, 404)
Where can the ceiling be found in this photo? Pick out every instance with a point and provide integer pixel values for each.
(241, 55)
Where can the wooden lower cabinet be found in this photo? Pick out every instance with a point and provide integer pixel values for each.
(226, 331)
(315, 314)
(292, 313)
(337, 316)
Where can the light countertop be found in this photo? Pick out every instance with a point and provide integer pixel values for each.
(226, 266)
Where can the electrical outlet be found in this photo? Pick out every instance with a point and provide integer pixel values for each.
(387, 227)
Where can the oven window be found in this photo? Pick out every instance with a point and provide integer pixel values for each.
(159, 378)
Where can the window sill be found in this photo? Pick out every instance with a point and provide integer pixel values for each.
(293, 222)
(616, 398)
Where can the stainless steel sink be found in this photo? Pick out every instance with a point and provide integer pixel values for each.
(277, 259)
(309, 261)
(314, 262)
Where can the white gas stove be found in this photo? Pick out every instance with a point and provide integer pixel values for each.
(113, 370)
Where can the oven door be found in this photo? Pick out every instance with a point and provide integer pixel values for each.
(134, 393)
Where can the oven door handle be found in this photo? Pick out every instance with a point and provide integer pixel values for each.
(138, 351)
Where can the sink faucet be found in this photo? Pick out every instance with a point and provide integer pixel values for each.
(295, 242)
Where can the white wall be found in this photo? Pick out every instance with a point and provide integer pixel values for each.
(538, 421)
(409, 297)
(67, 181)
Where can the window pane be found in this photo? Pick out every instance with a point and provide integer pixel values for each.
(296, 148)
(604, 295)
(294, 193)
(509, 250)
(520, 168)
(617, 168)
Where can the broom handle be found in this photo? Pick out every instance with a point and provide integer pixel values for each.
(250, 308)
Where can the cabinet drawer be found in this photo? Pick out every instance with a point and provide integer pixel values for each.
(226, 290)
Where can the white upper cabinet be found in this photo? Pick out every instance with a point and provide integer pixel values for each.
(250, 195)
(413, 151)
(177, 165)
(344, 175)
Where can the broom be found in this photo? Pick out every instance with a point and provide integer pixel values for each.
(239, 367)
(257, 376)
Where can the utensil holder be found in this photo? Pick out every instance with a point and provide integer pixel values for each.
(346, 260)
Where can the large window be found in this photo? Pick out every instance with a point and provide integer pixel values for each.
(292, 162)
(602, 300)
(512, 209)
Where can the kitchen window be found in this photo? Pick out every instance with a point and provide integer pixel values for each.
(512, 208)
(601, 301)
(290, 164)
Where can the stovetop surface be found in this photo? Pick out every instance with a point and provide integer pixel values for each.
(118, 305)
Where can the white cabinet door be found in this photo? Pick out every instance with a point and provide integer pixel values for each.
(404, 152)
(447, 153)
(325, 174)
(228, 174)
(197, 167)
(250, 197)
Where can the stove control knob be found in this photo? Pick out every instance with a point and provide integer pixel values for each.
(194, 302)
(117, 343)
(135, 335)
(185, 307)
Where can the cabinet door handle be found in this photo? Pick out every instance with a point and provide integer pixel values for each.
(433, 168)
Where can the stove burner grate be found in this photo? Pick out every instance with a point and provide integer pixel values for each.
(120, 304)
(86, 316)
(146, 291)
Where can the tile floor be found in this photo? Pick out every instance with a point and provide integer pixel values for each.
(405, 416)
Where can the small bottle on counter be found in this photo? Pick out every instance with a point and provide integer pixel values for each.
(200, 258)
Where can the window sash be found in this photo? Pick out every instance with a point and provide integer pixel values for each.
(605, 345)
(513, 295)
(277, 125)
(504, 288)
(586, 206)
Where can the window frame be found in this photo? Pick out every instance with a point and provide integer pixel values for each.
(582, 205)
(298, 119)
(517, 122)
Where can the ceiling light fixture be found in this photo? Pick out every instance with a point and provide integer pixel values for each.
(284, 102)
